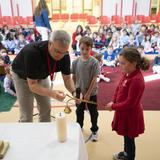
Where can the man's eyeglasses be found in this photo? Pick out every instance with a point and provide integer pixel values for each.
(61, 53)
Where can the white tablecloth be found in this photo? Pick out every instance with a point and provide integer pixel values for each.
(38, 141)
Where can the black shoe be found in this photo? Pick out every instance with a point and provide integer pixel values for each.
(120, 156)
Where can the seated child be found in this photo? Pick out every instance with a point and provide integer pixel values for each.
(132, 41)
(101, 76)
(140, 49)
(156, 64)
(109, 58)
(21, 43)
(147, 45)
(97, 41)
(2, 70)
(8, 83)
(9, 43)
(4, 56)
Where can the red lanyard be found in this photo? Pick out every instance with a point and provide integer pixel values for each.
(51, 72)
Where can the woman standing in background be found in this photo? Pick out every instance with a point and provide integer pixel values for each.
(41, 20)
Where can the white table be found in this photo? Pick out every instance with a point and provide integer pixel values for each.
(38, 141)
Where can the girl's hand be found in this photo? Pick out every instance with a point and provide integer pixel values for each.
(86, 97)
(109, 106)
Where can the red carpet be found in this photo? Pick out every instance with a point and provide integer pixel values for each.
(151, 96)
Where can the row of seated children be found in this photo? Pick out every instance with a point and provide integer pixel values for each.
(120, 37)
(110, 58)
(156, 61)
(15, 39)
(14, 45)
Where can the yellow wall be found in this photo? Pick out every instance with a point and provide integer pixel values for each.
(74, 6)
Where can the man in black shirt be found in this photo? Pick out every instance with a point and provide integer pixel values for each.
(31, 68)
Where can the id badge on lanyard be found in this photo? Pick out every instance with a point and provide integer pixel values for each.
(53, 75)
(52, 78)
(51, 84)
(51, 71)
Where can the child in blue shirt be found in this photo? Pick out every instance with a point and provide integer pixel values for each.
(109, 58)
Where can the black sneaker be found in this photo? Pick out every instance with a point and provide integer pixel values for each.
(120, 156)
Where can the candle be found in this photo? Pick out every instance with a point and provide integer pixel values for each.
(61, 127)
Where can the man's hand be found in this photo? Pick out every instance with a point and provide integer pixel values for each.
(59, 95)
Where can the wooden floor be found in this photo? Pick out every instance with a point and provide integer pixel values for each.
(147, 145)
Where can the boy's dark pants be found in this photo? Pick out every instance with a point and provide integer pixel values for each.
(129, 147)
(92, 110)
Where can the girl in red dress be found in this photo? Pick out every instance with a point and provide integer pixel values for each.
(128, 119)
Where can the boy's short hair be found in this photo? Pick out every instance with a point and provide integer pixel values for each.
(87, 41)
